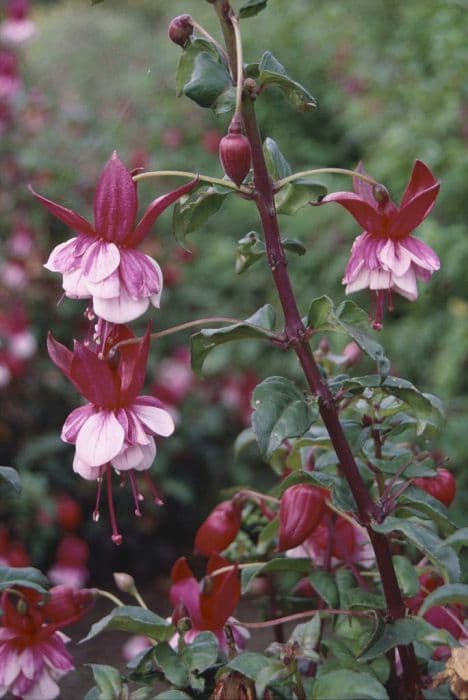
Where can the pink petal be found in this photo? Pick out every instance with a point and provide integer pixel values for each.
(100, 261)
(107, 289)
(128, 458)
(365, 215)
(27, 662)
(69, 217)
(45, 688)
(379, 279)
(85, 470)
(149, 453)
(421, 179)
(157, 420)
(100, 439)
(395, 258)
(360, 281)
(75, 422)
(136, 434)
(406, 285)
(63, 257)
(155, 209)
(121, 309)
(115, 202)
(422, 254)
(412, 214)
(140, 274)
(74, 284)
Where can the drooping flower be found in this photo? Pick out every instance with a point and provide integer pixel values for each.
(209, 604)
(103, 262)
(301, 511)
(219, 529)
(116, 428)
(32, 650)
(386, 257)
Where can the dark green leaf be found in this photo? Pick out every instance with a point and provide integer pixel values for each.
(325, 585)
(133, 619)
(450, 593)
(277, 165)
(173, 694)
(250, 248)
(268, 534)
(202, 652)
(278, 565)
(357, 598)
(418, 500)
(294, 246)
(210, 84)
(108, 681)
(271, 72)
(12, 477)
(27, 577)
(442, 556)
(407, 576)
(298, 194)
(256, 327)
(251, 8)
(459, 539)
(187, 61)
(281, 412)
(275, 671)
(191, 212)
(400, 632)
(348, 685)
(249, 663)
(173, 667)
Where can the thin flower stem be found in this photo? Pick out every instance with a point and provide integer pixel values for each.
(207, 35)
(186, 173)
(302, 615)
(324, 171)
(110, 596)
(259, 496)
(136, 594)
(239, 64)
(227, 569)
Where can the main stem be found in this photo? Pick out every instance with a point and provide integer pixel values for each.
(296, 333)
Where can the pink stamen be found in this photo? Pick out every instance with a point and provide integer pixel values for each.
(152, 488)
(116, 536)
(379, 310)
(390, 306)
(136, 495)
(96, 514)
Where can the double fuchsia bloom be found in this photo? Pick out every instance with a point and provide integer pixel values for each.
(102, 261)
(386, 256)
(117, 427)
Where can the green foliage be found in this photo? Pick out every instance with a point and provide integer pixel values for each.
(133, 619)
(27, 577)
(12, 477)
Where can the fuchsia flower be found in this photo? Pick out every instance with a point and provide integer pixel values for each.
(386, 256)
(116, 427)
(209, 604)
(17, 27)
(219, 529)
(32, 650)
(102, 262)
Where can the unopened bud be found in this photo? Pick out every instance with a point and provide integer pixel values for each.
(366, 421)
(124, 582)
(380, 193)
(180, 30)
(234, 152)
(184, 624)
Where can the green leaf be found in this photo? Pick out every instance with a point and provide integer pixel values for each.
(277, 565)
(400, 632)
(295, 195)
(251, 8)
(407, 576)
(210, 84)
(12, 477)
(249, 663)
(173, 694)
(277, 165)
(281, 412)
(173, 667)
(442, 556)
(419, 500)
(256, 327)
(275, 671)
(108, 681)
(187, 60)
(348, 685)
(191, 212)
(271, 72)
(250, 249)
(459, 539)
(202, 652)
(357, 598)
(133, 619)
(293, 245)
(307, 636)
(27, 577)
(268, 534)
(325, 585)
(450, 593)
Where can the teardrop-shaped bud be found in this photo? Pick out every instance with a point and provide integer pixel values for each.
(301, 510)
(180, 29)
(219, 529)
(443, 486)
(234, 152)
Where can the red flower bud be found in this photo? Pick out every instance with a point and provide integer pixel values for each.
(443, 486)
(219, 529)
(234, 152)
(301, 510)
(180, 29)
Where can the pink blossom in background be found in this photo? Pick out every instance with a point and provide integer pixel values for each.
(17, 28)
(386, 257)
(103, 262)
(10, 82)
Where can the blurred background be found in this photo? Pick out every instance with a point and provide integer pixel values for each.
(78, 81)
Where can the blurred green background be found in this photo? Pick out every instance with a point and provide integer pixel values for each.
(390, 81)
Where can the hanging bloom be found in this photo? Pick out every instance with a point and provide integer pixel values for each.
(219, 529)
(32, 650)
(209, 604)
(386, 256)
(117, 426)
(103, 262)
(17, 28)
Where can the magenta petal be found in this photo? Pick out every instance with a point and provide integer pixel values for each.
(422, 254)
(155, 209)
(115, 202)
(412, 214)
(421, 179)
(100, 439)
(63, 257)
(136, 434)
(95, 379)
(100, 260)
(59, 354)
(139, 274)
(75, 422)
(132, 368)
(365, 215)
(69, 217)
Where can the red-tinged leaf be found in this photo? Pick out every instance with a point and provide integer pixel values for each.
(115, 202)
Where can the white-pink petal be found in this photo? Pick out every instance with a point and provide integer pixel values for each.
(63, 257)
(158, 420)
(75, 422)
(406, 285)
(121, 309)
(75, 285)
(149, 453)
(100, 439)
(45, 688)
(395, 258)
(128, 458)
(107, 288)
(360, 281)
(100, 261)
(85, 470)
(379, 279)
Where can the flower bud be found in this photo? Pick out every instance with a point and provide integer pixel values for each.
(380, 193)
(180, 30)
(219, 529)
(443, 486)
(301, 510)
(234, 152)
(124, 582)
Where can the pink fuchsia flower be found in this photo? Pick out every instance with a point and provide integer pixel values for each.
(209, 604)
(17, 27)
(103, 262)
(386, 257)
(10, 82)
(116, 428)
(32, 650)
